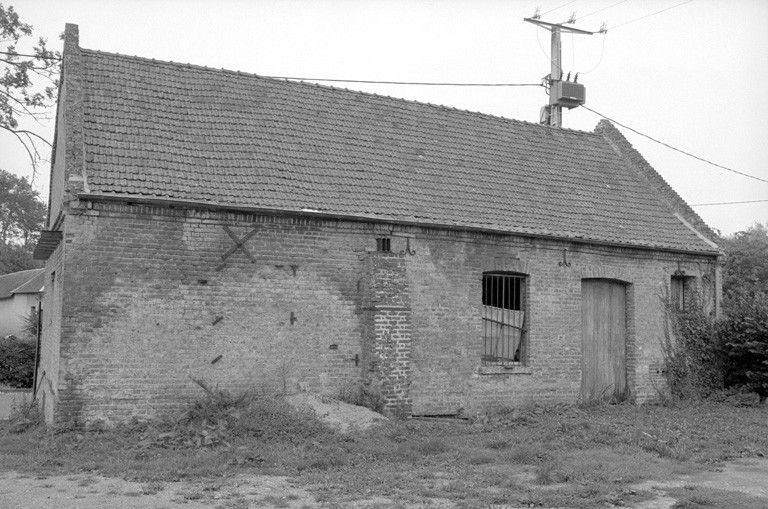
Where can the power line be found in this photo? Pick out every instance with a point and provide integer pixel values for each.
(14, 54)
(432, 83)
(600, 10)
(558, 7)
(600, 60)
(652, 14)
(727, 203)
(675, 148)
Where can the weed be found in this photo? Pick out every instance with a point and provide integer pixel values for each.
(88, 481)
(559, 457)
(365, 393)
(273, 501)
(220, 417)
(433, 446)
(152, 487)
(480, 458)
(524, 454)
(25, 417)
(499, 443)
(553, 472)
(193, 495)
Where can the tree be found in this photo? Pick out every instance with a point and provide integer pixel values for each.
(28, 82)
(744, 330)
(746, 265)
(22, 216)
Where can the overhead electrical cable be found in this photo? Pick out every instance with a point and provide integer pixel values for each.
(649, 15)
(432, 83)
(600, 10)
(14, 54)
(558, 7)
(727, 203)
(675, 148)
(599, 60)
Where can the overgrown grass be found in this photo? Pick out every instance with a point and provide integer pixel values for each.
(561, 456)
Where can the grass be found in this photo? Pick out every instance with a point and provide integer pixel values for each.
(700, 498)
(560, 456)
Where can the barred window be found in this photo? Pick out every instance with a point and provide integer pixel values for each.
(504, 303)
(384, 244)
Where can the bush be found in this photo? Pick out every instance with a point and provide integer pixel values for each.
(693, 360)
(743, 337)
(17, 362)
(221, 417)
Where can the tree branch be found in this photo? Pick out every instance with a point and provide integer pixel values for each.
(29, 133)
(24, 143)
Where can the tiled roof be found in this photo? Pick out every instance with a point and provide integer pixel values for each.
(25, 281)
(178, 132)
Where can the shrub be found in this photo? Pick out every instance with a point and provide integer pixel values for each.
(17, 362)
(220, 417)
(692, 358)
(743, 338)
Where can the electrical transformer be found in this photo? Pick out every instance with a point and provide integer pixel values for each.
(568, 93)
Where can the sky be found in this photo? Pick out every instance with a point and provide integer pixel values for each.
(693, 76)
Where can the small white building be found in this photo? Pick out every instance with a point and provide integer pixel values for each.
(19, 297)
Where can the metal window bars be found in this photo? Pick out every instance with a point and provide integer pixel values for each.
(503, 319)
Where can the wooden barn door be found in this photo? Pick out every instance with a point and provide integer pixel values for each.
(603, 339)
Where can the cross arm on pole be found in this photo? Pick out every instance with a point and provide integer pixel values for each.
(562, 27)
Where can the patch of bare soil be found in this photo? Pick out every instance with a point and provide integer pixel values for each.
(340, 416)
(87, 491)
(747, 477)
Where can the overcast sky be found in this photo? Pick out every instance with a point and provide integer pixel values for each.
(693, 76)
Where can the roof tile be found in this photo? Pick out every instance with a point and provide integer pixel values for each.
(193, 134)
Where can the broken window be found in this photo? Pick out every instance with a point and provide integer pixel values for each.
(504, 303)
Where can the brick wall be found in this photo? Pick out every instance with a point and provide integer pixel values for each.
(388, 341)
(145, 311)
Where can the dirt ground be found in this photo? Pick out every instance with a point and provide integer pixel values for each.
(747, 477)
(85, 491)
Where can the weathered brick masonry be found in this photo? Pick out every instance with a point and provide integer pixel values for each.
(317, 308)
(153, 280)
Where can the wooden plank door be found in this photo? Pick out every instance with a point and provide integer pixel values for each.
(603, 339)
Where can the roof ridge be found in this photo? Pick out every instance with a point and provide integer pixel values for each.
(302, 83)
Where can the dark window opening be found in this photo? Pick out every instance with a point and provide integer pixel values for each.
(503, 291)
(384, 245)
(681, 292)
(503, 298)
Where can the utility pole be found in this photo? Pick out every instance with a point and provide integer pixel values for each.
(568, 94)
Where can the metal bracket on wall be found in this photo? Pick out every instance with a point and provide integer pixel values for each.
(239, 244)
(408, 250)
(293, 318)
(565, 262)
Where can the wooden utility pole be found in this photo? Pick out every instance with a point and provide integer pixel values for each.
(555, 106)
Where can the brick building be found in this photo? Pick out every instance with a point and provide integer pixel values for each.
(252, 232)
